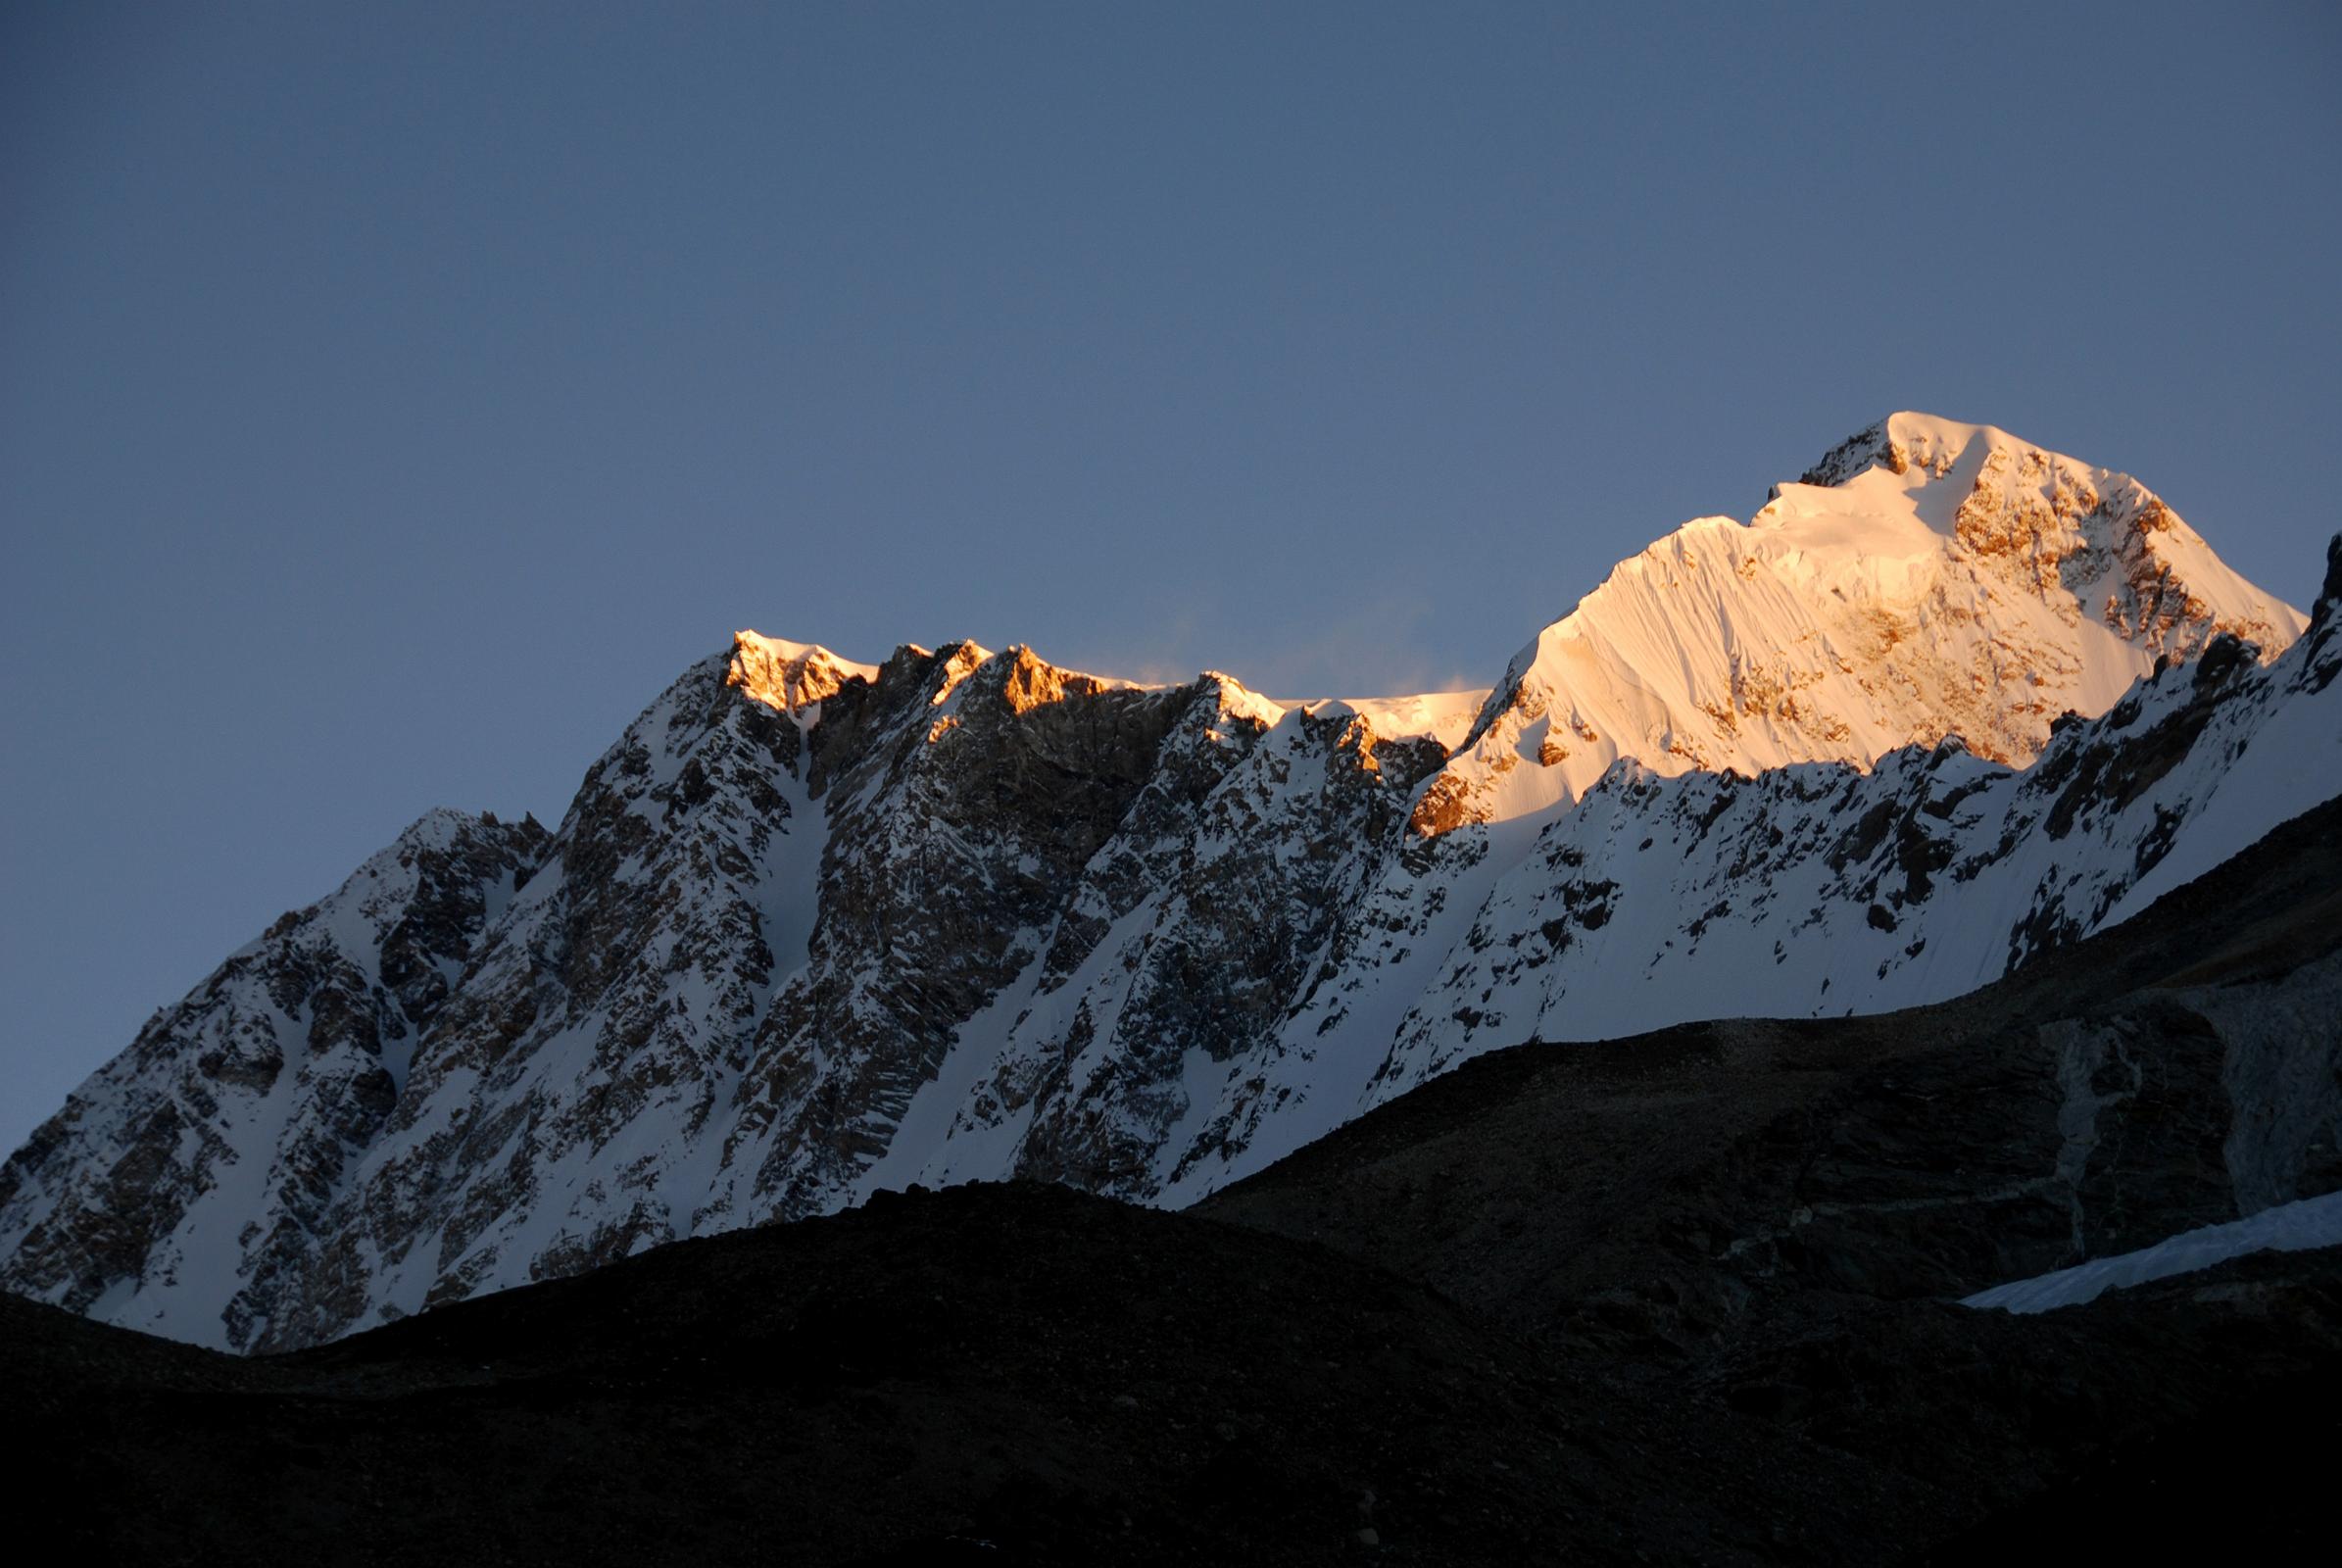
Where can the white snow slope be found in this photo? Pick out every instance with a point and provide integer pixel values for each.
(1941, 578)
(2300, 1226)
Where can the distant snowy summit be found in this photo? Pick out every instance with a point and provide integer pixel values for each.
(813, 927)
(1926, 578)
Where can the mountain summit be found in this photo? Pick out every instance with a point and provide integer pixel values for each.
(812, 928)
(1926, 578)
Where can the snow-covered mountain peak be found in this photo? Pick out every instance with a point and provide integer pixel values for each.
(786, 675)
(1905, 443)
(2003, 500)
(811, 928)
(436, 829)
(383, 889)
(2037, 523)
(1026, 680)
(1236, 700)
(1925, 578)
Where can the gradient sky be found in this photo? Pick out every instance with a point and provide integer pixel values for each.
(394, 398)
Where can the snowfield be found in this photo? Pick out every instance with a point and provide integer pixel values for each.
(2295, 1227)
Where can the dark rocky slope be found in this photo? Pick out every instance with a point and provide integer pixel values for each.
(1021, 1374)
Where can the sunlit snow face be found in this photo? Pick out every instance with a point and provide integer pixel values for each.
(1950, 579)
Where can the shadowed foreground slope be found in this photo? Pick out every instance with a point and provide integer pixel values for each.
(1001, 1373)
(1022, 1374)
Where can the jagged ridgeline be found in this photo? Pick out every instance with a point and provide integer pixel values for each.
(814, 928)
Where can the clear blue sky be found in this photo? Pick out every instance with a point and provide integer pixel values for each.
(394, 398)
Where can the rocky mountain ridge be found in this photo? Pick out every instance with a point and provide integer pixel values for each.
(813, 929)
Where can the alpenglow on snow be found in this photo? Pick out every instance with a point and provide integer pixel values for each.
(812, 927)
